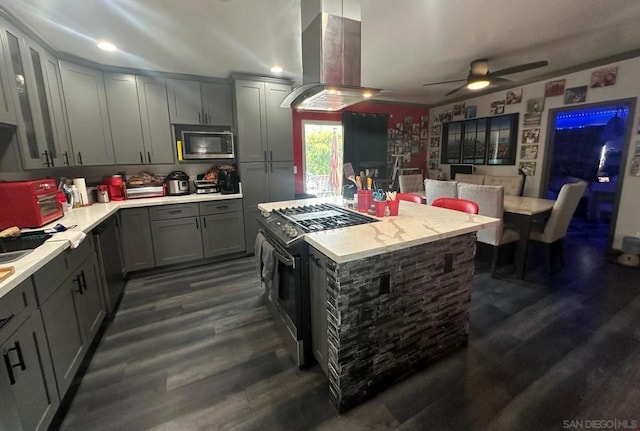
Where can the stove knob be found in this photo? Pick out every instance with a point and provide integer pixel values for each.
(266, 214)
(292, 232)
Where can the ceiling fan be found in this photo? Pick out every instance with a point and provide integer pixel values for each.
(480, 77)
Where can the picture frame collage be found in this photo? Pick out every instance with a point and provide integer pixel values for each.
(408, 138)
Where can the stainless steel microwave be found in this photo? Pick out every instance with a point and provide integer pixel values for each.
(207, 145)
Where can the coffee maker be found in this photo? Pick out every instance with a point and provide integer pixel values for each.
(115, 187)
(228, 182)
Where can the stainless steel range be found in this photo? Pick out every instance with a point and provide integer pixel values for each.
(284, 229)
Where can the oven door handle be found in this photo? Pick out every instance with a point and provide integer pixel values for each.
(287, 260)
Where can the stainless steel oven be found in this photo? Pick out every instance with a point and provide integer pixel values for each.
(284, 230)
(291, 307)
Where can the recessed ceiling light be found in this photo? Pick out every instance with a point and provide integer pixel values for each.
(106, 45)
(276, 69)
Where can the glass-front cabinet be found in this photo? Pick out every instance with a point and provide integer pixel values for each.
(42, 133)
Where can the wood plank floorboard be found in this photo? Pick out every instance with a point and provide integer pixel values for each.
(196, 349)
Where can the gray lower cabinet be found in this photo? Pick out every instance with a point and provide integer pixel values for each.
(135, 237)
(222, 227)
(177, 240)
(86, 105)
(318, 298)
(72, 316)
(27, 384)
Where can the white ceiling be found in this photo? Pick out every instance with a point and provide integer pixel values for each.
(405, 43)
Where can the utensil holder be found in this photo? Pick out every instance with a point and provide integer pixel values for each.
(364, 200)
(394, 207)
(380, 207)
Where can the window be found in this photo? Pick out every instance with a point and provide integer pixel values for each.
(491, 141)
(322, 157)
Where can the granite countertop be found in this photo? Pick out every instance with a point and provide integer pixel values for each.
(86, 219)
(415, 224)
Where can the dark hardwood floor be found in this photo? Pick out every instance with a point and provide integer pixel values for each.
(196, 349)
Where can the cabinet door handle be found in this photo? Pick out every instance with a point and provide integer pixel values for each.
(204, 222)
(197, 225)
(77, 279)
(199, 118)
(45, 155)
(84, 280)
(266, 169)
(175, 212)
(141, 160)
(10, 366)
(271, 155)
(79, 158)
(6, 320)
(66, 158)
(149, 156)
(221, 207)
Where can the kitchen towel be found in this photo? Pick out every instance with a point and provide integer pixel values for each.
(270, 270)
(74, 237)
(257, 248)
(81, 185)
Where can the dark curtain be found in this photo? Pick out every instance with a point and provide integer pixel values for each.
(365, 141)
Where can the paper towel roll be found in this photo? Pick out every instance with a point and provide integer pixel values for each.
(81, 185)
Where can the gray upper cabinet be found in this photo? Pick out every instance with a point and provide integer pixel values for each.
(217, 106)
(154, 113)
(185, 104)
(7, 110)
(88, 117)
(194, 102)
(57, 109)
(279, 128)
(124, 118)
(264, 128)
(30, 133)
(139, 119)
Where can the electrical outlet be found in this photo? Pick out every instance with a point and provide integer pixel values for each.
(295, 169)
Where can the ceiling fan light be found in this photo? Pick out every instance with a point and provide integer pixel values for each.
(478, 85)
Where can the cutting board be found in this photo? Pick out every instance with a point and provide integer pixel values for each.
(6, 271)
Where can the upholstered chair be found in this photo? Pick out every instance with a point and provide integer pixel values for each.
(513, 184)
(462, 205)
(410, 183)
(409, 197)
(470, 178)
(440, 189)
(490, 200)
(553, 232)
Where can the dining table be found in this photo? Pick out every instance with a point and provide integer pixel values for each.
(521, 212)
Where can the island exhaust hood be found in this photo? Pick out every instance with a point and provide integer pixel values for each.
(330, 65)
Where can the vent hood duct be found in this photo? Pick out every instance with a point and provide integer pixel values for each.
(330, 63)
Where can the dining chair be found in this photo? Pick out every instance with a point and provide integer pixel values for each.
(435, 189)
(470, 178)
(410, 183)
(462, 205)
(553, 232)
(490, 200)
(409, 197)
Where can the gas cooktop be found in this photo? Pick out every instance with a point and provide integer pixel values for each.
(290, 224)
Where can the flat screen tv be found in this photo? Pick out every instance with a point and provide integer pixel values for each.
(460, 169)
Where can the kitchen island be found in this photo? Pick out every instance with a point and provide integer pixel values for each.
(393, 295)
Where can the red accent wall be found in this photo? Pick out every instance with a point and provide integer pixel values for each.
(397, 114)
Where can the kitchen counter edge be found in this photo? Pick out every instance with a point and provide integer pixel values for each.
(86, 219)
